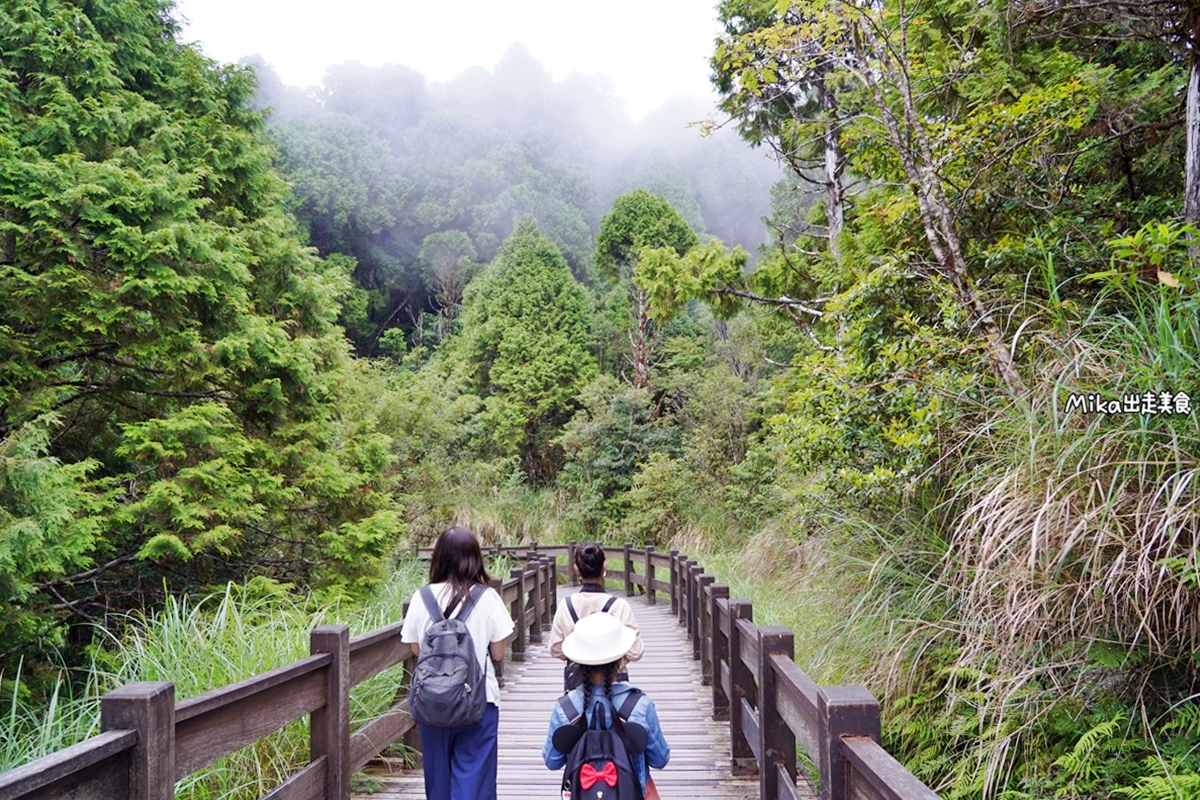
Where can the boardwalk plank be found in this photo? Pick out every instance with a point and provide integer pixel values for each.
(700, 762)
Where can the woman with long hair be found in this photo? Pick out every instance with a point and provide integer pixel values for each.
(590, 565)
(460, 761)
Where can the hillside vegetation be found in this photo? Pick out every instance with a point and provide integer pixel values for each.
(939, 417)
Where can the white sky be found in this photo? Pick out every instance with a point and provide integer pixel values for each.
(651, 49)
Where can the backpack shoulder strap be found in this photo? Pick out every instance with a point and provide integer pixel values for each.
(631, 701)
(609, 604)
(476, 592)
(431, 604)
(568, 708)
(571, 608)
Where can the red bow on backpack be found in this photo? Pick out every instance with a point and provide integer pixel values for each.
(589, 776)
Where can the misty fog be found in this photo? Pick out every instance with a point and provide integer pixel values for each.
(380, 159)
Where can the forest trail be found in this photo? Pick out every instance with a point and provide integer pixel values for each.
(700, 763)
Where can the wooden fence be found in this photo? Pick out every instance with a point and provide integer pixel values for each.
(148, 741)
(771, 705)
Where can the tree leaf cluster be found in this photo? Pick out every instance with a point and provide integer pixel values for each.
(172, 367)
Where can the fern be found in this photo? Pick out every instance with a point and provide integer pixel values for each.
(1079, 764)
(1186, 721)
(1163, 787)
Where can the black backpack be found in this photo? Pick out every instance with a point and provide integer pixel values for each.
(449, 686)
(576, 673)
(599, 764)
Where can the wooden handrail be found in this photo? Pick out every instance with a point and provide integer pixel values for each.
(773, 706)
(149, 742)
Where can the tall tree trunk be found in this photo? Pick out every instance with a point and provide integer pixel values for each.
(641, 338)
(911, 141)
(835, 163)
(1191, 187)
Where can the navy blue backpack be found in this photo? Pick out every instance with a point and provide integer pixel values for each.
(599, 764)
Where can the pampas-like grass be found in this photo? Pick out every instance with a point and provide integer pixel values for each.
(1076, 539)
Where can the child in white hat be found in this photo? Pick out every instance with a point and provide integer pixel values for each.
(600, 642)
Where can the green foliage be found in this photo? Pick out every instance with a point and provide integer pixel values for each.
(344, 178)
(1079, 767)
(1163, 787)
(448, 263)
(639, 220)
(51, 519)
(604, 444)
(172, 372)
(523, 348)
(658, 508)
(703, 273)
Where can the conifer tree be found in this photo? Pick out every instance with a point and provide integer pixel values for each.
(524, 347)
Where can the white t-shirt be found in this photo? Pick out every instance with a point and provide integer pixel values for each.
(489, 622)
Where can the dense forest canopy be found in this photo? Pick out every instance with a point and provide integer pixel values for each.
(381, 160)
(936, 411)
(173, 372)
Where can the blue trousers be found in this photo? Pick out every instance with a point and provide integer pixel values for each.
(460, 763)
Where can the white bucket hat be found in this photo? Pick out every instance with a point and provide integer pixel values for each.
(598, 638)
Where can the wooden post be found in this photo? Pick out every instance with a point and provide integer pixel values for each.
(535, 601)
(553, 586)
(674, 556)
(149, 708)
(681, 588)
(720, 650)
(776, 742)
(498, 585)
(412, 737)
(649, 575)
(704, 630)
(329, 727)
(547, 592)
(518, 614)
(842, 711)
(694, 608)
(685, 600)
(741, 680)
(628, 572)
(571, 563)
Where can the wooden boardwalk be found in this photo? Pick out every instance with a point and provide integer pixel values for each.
(148, 741)
(700, 762)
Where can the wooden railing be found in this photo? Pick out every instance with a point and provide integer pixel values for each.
(148, 741)
(771, 705)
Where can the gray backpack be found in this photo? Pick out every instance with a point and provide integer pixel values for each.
(449, 686)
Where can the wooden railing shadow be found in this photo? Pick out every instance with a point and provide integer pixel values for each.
(148, 741)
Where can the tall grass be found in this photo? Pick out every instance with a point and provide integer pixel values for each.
(202, 644)
(1072, 562)
(492, 499)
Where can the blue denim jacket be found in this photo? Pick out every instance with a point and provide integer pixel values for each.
(657, 752)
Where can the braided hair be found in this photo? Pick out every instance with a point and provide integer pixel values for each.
(610, 672)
